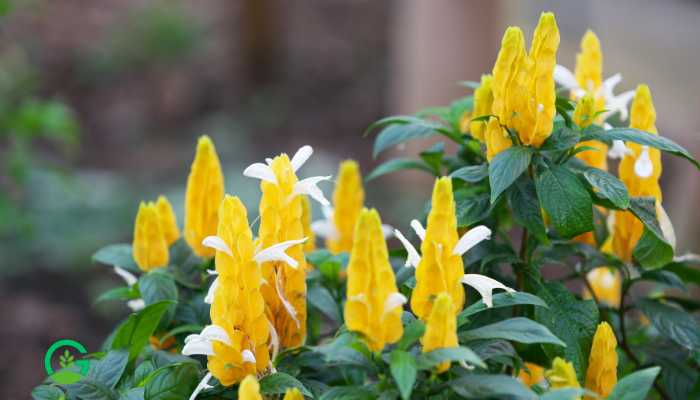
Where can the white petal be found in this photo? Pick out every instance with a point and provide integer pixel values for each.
(470, 239)
(619, 103)
(413, 257)
(260, 171)
(387, 230)
(564, 77)
(485, 286)
(287, 305)
(418, 228)
(609, 84)
(215, 332)
(274, 340)
(643, 167)
(128, 277)
(203, 385)
(217, 244)
(248, 356)
(197, 346)
(618, 150)
(308, 187)
(301, 156)
(276, 252)
(325, 229)
(327, 212)
(666, 226)
(136, 305)
(394, 300)
(607, 127)
(209, 299)
(610, 222)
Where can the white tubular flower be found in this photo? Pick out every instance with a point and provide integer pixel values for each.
(618, 150)
(325, 227)
(203, 385)
(128, 277)
(217, 244)
(471, 238)
(287, 305)
(613, 103)
(248, 356)
(418, 228)
(308, 186)
(485, 286)
(276, 252)
(301, 156)
(666, 226)
(274, 340)
(643, 167)
(394, 300)
(261, 171)
(413, 258)
(136, 304)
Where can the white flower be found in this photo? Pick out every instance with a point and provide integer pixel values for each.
(325, 227)
(485, 286)
(392, 301)
(666, 226)
(613, 103)
(471, 238)
(413, 257)
(307, 186)
(130, 280)
(643, 167)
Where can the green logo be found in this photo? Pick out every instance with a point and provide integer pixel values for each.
(71, 369)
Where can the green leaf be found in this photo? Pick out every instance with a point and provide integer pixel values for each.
(565, 200)
(608, 187)
(673, 323)
(500, 300)
(45, 392)
(472, 209)
(573, 320)
(400, 131)
(321, 299)
(519, 329)
(404, 370)
(397, 164)
(118, 293)
(279, 382)
(641, 137)
(173, 382)
(411, 333)
(133, 394)
(110, 368)
(187, 328)
(665, 277)
(527, 211)
(686, 270)
(471, 173)
(433, 358)
(652, 250)
(433, 156)
(134, 333)
(506, 167)
(157, 286)
(118, 255)
(349, 393)
(561, 139)
(564, 394)
(90, 389)
(142, 372)
(482, 386)
(635, 386)
(487, 349)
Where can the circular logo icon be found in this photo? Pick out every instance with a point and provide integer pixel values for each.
(72, 369)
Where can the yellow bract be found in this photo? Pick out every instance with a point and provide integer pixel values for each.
(441, 328)
(306, 217)
(589, 63)
(523, 84)
(281, 214)
(150, 248)
(585, 115)
(205, 190)
(168, 220)
(562, 375)
(238, 304)
(371, 285)
(348, 200)
(627, 228)
(496, 138)
(533, 375)
(249, 389)
(439, 270)
(293, 394)
(606, 283)
(483, 100)
(601, 376)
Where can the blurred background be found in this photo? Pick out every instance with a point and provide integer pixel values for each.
(101, 103)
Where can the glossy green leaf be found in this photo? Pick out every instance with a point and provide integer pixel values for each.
(433, 358)
(173, 382)
(608, 187)
(279, 382)
(134, 333)
(482, 386)
(635, 386)
(565, 199)
(506, 167)
(500, 300)
(527, 211)
(398, 164)
(672, 322)
(118, 255)
(519, 329)
(471, 173)
(403, 369)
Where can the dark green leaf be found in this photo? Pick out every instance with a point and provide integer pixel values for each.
(397, 164)
(173, 382)
(403, 369)
(565, 200)
(608, 186)
(686, 269)
(279, 382)
(500, 300)
(90, 389)
(321, 299)
(641, 137)
(527, 211)
(45, 392)
(479, 386)
(349, 393)
(487, 349)
(672, 322)
(564, 394)
(110, 368)
(471, 173)
(157, 286)
(118, 255)
(665, 277)
(433, 358)
(519, 329)
(635, 386)
(399, 131)
(652, 250)
(506, 167)
(118, 293)
(411, 333)
(563, 138)
(132, 394)
(433, 156)
(472, 209)
(134, 333)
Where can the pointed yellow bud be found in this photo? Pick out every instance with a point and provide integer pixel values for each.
(483, 100)
(168, 220)
(465, 121)
(306, 217)
(589, 63)
(440, 269)
(508, 74)
(601, 376)
(374, 305)
(150, 249)
(496, 138)
(606, 283)
(441, 328)
(562, 375)
(205, 189)
(532, 376)
(249, 389)
(585, 115)
(348, 200)
(293, 394)
(281, 219)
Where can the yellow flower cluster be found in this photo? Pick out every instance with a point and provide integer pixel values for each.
(348, 200)
(523, 87)
(373, 305)
(441, 327)
(155, 229)
(483, 101)
(249, 389)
